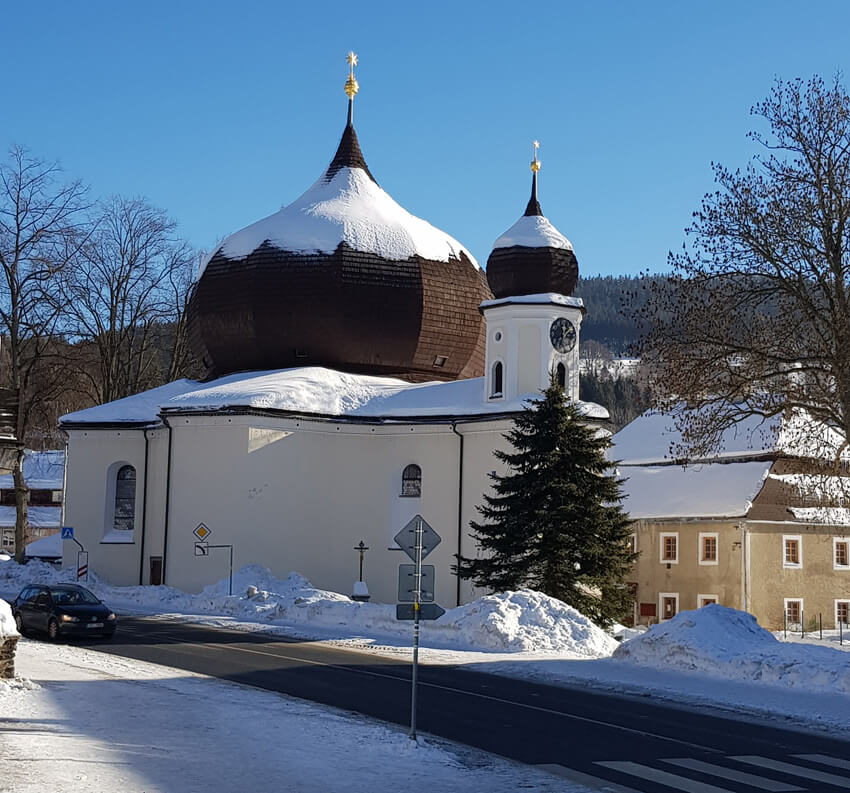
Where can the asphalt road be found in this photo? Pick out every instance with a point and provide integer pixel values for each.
(608, 742)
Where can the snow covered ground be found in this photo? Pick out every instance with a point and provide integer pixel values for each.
(89, 722)
(528, 635)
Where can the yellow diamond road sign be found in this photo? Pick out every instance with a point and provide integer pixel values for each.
(202, 532)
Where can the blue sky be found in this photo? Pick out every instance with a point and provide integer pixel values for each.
(221, 112)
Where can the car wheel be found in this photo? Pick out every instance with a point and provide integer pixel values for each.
(19, 623)
(53, 630)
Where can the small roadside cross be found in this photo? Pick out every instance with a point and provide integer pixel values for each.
(362, 547)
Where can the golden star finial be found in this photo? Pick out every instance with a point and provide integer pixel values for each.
(535, 163)
(351, 86)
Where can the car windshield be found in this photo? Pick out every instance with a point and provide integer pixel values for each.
(73, 597)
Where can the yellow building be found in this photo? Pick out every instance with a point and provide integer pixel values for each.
(752, 528)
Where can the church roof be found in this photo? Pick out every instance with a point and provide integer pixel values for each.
(533, 231)
(315, 391)
(348, 207)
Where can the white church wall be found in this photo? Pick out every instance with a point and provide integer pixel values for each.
(93, 457)
(299, 495)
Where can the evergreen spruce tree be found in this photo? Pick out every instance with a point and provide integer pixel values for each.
(554, 523)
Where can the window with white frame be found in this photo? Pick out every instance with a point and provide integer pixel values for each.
(633, 543)
(840, 553)
(124, 518)
(708, 542)
(669, 547)
(793, 611)
(668, 605)
(842, 613)
(706, 600)
(792, 550)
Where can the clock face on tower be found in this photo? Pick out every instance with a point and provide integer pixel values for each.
(562, 334)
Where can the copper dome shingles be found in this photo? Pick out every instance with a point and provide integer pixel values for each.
(345, 278)
(532, 257)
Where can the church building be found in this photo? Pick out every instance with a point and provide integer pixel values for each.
(360, 369)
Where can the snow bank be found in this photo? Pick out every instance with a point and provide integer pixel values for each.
(523, 621)
(725, 643)
(7, 621)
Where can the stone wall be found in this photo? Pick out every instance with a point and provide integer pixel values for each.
(8, 645)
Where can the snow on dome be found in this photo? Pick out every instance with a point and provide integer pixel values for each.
(350, 208)
(533, 231)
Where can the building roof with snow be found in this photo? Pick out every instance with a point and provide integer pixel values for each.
(49, 547)
(312, 391)
(755, 473)
(37, 517)
(42, 471)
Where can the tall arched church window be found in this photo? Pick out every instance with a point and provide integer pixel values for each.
(498, 377)
(561, 376)
(411, 481)
(125, 499)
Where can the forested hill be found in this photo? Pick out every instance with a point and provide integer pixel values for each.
(611, 302)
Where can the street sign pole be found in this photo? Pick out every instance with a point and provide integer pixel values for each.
(417, 594)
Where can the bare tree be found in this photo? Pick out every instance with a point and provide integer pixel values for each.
(39, 235)
(755, 321)
(127, 292)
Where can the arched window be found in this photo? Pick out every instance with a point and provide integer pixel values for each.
(125, 499)
(411, 481)
(561, 376)
(496, 381)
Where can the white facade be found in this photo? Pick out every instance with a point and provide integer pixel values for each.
(521, 355)
(288, 493)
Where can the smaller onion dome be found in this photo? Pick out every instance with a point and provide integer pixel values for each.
(532, 256)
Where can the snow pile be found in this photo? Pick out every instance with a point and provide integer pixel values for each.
(523, 621)
(725, 643)
(349, 208)
(7, 621)
(533, 231)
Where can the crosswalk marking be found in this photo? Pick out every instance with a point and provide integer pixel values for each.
(591, 782)
(732, 775)
(794, 770)
(662, 777)
(824, 759)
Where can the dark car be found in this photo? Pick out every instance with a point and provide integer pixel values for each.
(62, 610)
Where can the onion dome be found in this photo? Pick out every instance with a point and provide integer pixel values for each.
(342, 277)
(532, 257)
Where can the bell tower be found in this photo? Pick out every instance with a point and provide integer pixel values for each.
(533, 323)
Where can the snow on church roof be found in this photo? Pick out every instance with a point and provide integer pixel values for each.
(311, 390)
(533, 231)
(349, 207)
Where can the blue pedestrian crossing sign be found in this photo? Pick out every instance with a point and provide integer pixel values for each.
(67, 533)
